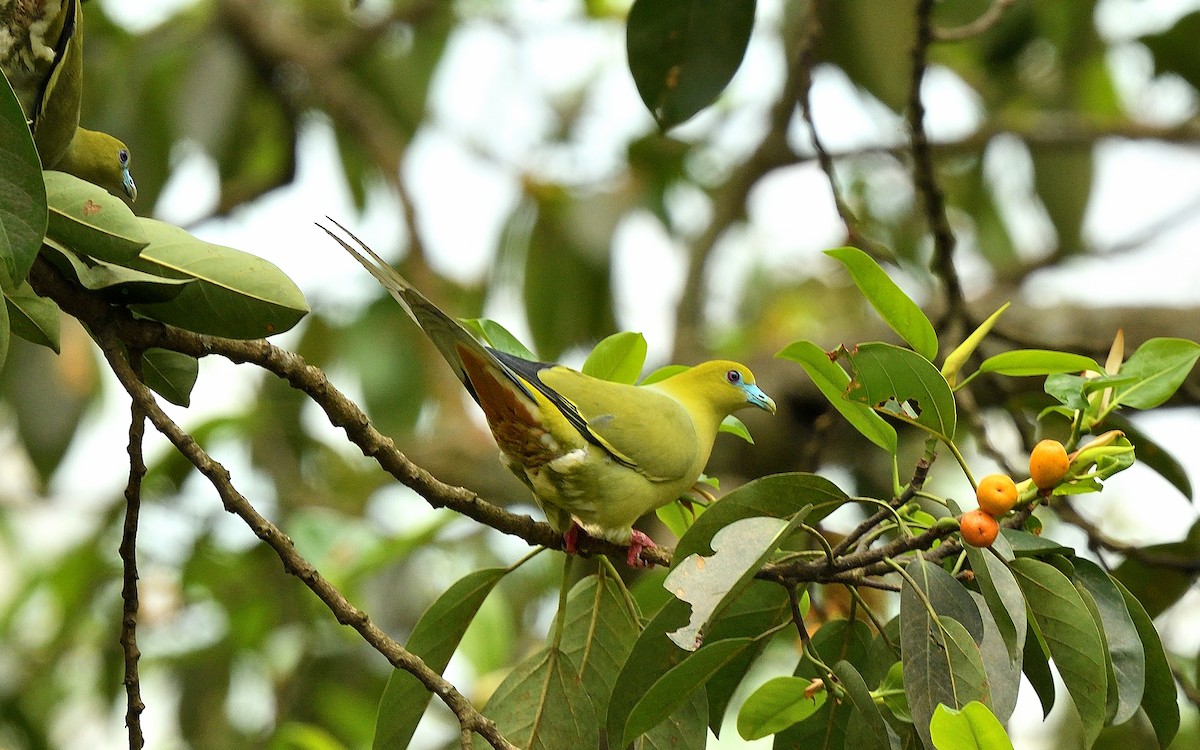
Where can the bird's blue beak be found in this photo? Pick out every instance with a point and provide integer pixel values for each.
(755, 395)
(128, 184)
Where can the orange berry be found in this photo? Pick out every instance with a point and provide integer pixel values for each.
(1048, 464)
(978, 529)
(997, 494)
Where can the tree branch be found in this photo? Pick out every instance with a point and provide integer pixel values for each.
(293, 562)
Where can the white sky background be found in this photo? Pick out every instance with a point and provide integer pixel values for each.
(501, 105)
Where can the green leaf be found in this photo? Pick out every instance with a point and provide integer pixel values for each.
(761, 607)
(776, 705)
(651, 657)
(116, 284)
(434, 639)
(1003, 668)
(974, 727)
(671, 690)
(5, 335)
(618, 358)
(663, 373)
(90, 220)
(892, 692)
(1158, 587)
(774, 496)
(1160, 367)
(170, 374)
(1159, 699)
(1071, 636)
(1035, 664)
(1002, 595)
(542, 705)
(942, 663)
(957, 358)
(498, 337)
(708, 584)
(1026, 362)
(685, 729)
(1124, 645)
(902, 384)
(236, 295)
(833, 381)
(895, 307)
(32, 317)
(874, 732)
(835, 641)
(599, 630)
(735, 426)
(682, 53)
(1025, 544)
(22, 193)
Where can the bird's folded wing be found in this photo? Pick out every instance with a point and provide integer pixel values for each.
(650, 432)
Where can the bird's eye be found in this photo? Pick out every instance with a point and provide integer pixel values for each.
(734, 377)
(123, 157)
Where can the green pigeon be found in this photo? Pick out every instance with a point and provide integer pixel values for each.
(41, 54)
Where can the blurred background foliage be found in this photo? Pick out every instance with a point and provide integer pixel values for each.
(1032, 119)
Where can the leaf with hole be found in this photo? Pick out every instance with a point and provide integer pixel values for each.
(832, 381)
(900, 383)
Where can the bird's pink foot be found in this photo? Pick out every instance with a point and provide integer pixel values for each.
(637, 543)
(571, 539)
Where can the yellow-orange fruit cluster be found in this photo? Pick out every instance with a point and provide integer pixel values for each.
(978, 528)
(1048, 464)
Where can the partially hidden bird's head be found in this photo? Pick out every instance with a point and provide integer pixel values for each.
(727, 386)
(100, 159)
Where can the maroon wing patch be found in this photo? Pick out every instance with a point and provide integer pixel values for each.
(518, 429)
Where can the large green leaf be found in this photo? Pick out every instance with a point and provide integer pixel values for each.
(1159, 366)
(90, 220)
(710, 583)
(598, 631)
(236, 295)
(652, 656)
(22, 193)
(618, 358)
(895, 307)
(774, 496)
(117, 284)
(671, 691)
(1035, 664)
(32, 317)
(542, 705)
(682, 53)
(434, 639)
(1002, 667)
(942, 661)
(1003, 597)
(1067, 627)
(1153, 455)
(763, 605)
(1121, 637)
(900, 383)
(1159, 699)
(832, 381)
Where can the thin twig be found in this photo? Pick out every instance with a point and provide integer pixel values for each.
(804, 67)
(923, 171)
(920, 473)
(128, 553)
(985, 21)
